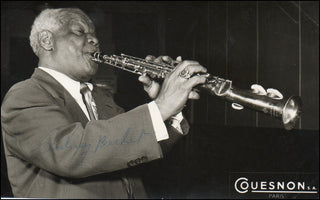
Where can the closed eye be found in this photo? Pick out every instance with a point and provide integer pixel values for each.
(79, 32)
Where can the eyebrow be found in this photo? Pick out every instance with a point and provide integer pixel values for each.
(84, 25)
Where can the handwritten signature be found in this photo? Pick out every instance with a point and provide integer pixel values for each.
(102, 142)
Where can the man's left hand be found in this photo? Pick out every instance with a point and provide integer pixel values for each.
(150, 86)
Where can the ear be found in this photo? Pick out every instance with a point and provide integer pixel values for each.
(46, 40)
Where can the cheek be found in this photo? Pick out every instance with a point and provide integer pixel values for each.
(73, 50)
(76, 46)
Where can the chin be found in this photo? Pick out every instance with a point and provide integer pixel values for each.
(94, 69)
(86, 78)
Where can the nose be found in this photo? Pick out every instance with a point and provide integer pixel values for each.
(93, 40)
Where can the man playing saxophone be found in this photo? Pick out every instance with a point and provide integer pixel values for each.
(65, 137)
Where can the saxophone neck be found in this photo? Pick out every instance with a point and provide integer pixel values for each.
(216, 85)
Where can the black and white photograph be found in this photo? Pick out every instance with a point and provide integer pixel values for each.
(160, 99)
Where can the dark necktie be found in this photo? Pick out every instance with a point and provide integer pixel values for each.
(88, 100)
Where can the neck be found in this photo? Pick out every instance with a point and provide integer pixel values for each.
(46, 61)
(50, 66)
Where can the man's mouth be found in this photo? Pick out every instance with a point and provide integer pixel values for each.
(90, 53)
(88, 57)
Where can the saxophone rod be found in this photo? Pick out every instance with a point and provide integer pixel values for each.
(286, 109)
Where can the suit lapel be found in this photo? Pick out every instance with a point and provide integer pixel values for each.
(74, 109)
(57, 91)
(106, 107)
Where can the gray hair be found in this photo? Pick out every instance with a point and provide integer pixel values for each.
(51, 20)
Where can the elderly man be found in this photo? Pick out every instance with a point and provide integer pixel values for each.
(66, 138)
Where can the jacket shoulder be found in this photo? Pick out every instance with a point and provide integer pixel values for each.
(24, 92)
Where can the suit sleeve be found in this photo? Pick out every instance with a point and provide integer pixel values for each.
(41, 132)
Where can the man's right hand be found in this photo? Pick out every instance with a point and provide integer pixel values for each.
(176, 89)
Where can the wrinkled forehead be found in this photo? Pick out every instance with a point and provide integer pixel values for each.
(77, 16)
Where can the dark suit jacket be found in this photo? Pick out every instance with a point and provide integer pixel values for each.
(52, 150)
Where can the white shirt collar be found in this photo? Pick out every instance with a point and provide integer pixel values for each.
(68, 83)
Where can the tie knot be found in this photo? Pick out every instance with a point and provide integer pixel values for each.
(84, 88)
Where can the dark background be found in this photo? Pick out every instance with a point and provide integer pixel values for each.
(273, 43)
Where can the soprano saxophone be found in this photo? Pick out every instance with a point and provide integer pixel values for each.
(286, 109)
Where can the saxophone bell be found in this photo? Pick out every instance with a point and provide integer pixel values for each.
(291, 112)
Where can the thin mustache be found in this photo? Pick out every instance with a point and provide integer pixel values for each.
(92, 50)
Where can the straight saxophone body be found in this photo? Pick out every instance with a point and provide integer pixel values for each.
(269, 102)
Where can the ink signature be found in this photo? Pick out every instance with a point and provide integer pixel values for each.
(103, 142)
